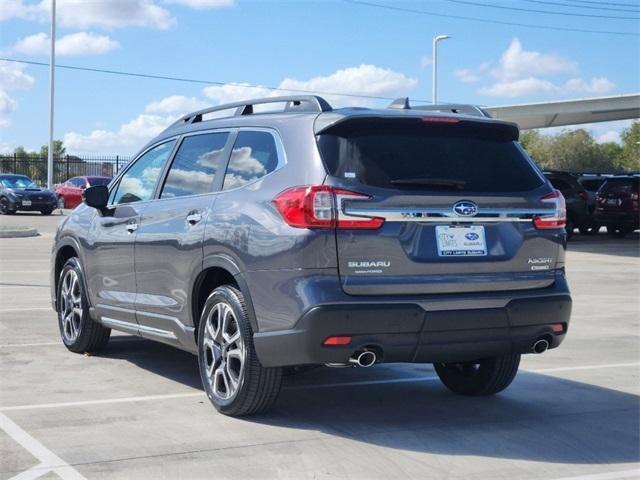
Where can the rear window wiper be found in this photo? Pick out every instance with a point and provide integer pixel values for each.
(431, 182)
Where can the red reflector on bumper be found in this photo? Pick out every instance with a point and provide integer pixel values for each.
(557, 328)
(345, 340)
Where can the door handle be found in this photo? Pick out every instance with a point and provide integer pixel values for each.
(132, 226)
(194, 217)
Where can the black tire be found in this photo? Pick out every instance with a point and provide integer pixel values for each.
(618, 231)
(590, 230)
(256, 387)
(46, 211)
(4, 207)
(80, 333)
(484, 377)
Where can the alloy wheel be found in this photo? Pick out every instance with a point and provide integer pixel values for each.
(224, 352)
(71, 305)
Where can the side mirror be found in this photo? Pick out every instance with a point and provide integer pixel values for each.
(83, 186)
(96, 197)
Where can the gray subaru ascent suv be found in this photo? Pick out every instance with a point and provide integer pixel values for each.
(281, 232)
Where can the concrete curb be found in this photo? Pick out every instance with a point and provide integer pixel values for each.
(19, 233)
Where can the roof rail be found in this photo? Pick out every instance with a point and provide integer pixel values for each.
(299, 103)
(402, 103)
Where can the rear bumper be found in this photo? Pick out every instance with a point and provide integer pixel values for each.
(406, 332)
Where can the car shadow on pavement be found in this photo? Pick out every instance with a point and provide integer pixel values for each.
(541, 418)
(604, 244)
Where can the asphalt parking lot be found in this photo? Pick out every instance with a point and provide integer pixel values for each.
(137, 410)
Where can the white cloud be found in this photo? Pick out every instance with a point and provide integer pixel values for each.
(85, 14)
(12, 77)
(7, 106)
(362, 80)
(603, 132)
(533, 85)
(517, 63)
(178, 104)
(80, 43)
(236, 92)
(520, 87)
(426, 61)
(126, 139)
(597, 86)
(522, 73)
(610, 136)
(467, 75)
(203, 4)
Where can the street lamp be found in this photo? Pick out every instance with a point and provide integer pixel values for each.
(435, 67)
(52, 73)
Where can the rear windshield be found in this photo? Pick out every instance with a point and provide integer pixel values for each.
(592, 185)
(427, 156)
(621, 185)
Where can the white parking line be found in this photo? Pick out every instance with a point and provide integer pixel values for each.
(48, 460)
(107, 401)
(606, 476)
(23, 309)
(81, 403)
(41, 344)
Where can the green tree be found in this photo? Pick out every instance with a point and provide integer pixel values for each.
(577, 150)
(58, 149)
(629, 158)
(537, 146)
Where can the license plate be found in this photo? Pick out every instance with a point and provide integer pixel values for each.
(612, 201)
(464, 241)
(26, 203)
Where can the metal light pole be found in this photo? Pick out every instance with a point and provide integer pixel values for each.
(434, 92)
(52, 74)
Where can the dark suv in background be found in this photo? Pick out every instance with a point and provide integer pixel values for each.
(617, 204)
(304, 235)
(576, 198)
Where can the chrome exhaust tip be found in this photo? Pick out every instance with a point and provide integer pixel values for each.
(363, 359)
(540, 346)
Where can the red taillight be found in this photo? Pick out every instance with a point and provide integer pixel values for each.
(558, 219)
(440, 119)
(342, 340)
(320, 206)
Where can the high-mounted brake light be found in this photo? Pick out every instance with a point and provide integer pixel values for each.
(440, 119)
(558, 219)
(320, 206)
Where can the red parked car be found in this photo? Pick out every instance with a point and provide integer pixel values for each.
(70, 192)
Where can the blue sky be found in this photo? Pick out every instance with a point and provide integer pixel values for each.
(331, 46)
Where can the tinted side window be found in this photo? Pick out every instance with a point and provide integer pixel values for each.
(195, 165)
(139, 182)
(254, 155)
(76, 182)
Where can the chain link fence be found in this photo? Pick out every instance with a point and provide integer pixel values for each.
(64, 167)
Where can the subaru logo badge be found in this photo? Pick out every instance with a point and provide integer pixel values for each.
(465, 209)
(471, 236)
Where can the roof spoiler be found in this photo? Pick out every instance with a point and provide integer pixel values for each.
(402, 103)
